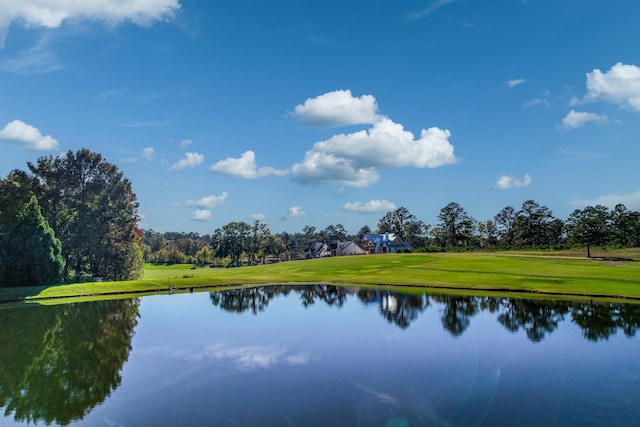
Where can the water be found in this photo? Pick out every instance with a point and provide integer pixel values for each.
(321, 356)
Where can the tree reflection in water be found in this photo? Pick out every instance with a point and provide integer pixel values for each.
(537, 318)
(63, 360)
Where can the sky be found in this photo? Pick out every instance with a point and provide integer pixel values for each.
(301, 113)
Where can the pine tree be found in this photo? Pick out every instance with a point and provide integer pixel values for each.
(32, 254)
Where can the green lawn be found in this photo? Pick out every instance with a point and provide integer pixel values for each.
(543, 273)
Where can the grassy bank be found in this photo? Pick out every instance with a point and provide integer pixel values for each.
(547, 273)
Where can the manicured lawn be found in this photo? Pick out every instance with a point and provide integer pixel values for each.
(554, 273)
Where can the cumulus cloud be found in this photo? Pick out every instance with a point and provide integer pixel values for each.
(211, 201)
(145, 156)
(610, 200)
(52, 13)
(372, 206)
(338, 108)
(515, 82)
(186, 142)
(577, 119)
(295, 212)
(620, 85)
(190, 160)
(201, 215)
(326, 167)
(258, 217)
(27, 136)
(244, 167)
(505, 182)
(355, 159)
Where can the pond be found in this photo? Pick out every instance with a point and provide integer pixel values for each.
(321, 356)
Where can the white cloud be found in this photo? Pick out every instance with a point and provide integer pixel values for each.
(610, 200)
(185, 142)
(324, 167)
(576, 119)
(620, 85)
(52, 13)
(258, 217)
(515, 82)
(145, 156)
(372, 206)
(211, 201)
(505, 182)
(295, 212)
(201, 215)
(190, 160)
(244, 167)
(355, 159)
(338, 108)
(27, 136)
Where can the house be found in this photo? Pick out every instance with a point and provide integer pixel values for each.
(317, 250)
(384, 243)
(346, 248)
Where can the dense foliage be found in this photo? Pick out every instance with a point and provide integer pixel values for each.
(89, 206)
(30, 252)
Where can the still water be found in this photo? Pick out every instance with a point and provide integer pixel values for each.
(320, 356)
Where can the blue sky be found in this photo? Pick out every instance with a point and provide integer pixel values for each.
(316, 113)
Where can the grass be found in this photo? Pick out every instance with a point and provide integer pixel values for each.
(550, 273)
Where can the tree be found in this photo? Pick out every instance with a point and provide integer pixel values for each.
(625, 226)
(532, 225)
(360, 235)
(15, 192)
(487, 233)
(333, 233)
(93, 210)
(456, 225)
(272, 245)
(589, 226)
(231, 241)
(204, 256)
(504, 221)
(31, 253)
(396, 222)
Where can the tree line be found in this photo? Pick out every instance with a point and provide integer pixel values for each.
(69, 218)
(533, 226)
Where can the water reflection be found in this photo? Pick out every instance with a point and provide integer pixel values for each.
(537, 318)
(58, 362)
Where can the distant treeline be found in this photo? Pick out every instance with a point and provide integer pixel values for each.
(533, 226)
(69, 218)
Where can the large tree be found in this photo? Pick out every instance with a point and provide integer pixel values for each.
(535, 225)
(589, 226)
(456, 225)
(232, 240)
(93, 210)
(625, 226)
(504, 221)
(403, 224)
